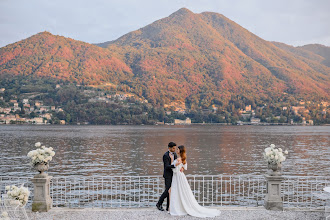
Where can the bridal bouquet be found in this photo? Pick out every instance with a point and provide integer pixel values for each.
(41, 155)
(19, 195)
(274, 156)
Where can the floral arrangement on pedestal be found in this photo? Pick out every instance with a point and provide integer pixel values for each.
(19, 195)
(274, 157)
(41, 157)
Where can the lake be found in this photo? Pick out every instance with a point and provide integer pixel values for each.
(138, 150)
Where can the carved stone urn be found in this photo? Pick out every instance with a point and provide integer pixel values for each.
(274, 169)
(42, 167)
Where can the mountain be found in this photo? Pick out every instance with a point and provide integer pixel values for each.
(47, 55)
(321, 50)
(314, 52)
(186, 59)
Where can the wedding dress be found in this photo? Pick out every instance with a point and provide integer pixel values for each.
(182, 200)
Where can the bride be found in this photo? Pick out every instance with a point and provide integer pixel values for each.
(182, 200)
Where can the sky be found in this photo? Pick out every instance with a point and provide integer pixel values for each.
(294, 22)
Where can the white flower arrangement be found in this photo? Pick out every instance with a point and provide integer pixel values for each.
(274, 155)
(20, 196)
(41, 155)
(4, 216)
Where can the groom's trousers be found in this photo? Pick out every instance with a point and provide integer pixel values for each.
(168, 183)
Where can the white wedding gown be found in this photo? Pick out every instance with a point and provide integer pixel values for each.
(182, 200)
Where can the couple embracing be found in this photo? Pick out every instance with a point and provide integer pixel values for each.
(180, 199)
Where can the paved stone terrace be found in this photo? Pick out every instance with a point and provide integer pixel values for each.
(153, 214)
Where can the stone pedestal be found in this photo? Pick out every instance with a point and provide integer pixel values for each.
(273, 199)
(42, 201)
(327, 210)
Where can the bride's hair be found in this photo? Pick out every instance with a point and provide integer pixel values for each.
(183, 154)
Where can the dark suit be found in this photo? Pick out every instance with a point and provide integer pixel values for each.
(168, 174)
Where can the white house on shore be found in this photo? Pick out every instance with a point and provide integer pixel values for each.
(255, 120)
(182, 122)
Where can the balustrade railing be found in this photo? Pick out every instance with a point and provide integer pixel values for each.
(305, 191)
(209, 190)
(144, 191)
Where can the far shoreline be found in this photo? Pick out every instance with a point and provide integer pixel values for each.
(167, 125)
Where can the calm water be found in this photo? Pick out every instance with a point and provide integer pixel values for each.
(138, 150)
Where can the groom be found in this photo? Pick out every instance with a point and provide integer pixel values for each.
(168, 174)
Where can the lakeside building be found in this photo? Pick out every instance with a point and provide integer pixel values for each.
(255, 120)
(48, 116)
(38, 104)
(38, 121)
(182, 122)
(7, 119)
(248, 108)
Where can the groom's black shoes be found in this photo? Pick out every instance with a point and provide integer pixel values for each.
(159, 207)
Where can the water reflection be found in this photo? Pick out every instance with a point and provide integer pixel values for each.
(138, 150)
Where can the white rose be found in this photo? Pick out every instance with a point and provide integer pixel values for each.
(40, 157)
(38, 144)
(7, 188)
(52, 154)
(51, 148)
(276, 157)
(48, 158)
(280, 149)
(4, 214)
(272, 145)
(286, 152)
(43, 147)
(272, 157)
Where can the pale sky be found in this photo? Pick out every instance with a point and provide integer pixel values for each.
(294, 22)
